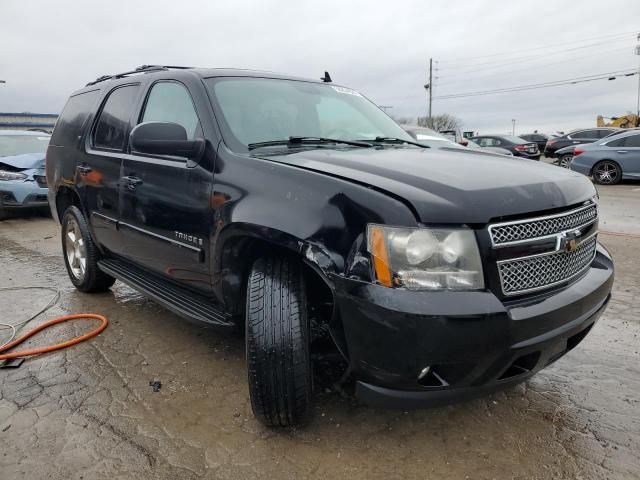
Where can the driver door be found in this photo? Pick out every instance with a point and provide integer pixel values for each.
(165, 212)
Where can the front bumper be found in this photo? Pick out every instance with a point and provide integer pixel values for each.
(21, 194)
(470, 343)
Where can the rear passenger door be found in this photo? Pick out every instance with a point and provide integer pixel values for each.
(99, 171)
(165, 212)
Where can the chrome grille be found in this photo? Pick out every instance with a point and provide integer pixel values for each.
(504, 233)
(526, 274)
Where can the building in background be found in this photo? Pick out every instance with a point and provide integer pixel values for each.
(28, 121)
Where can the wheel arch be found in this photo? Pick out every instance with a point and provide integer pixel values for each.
(65, 197)
(240, 246)
(606, 160)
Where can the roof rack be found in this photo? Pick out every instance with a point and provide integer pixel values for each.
(140, 69)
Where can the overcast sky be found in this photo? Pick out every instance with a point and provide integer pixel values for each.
(50, 48)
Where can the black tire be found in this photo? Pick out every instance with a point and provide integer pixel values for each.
(277, 342)
(565, 160)
(614, 173)
(92, 279)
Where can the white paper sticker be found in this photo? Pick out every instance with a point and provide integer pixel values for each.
(347, 91)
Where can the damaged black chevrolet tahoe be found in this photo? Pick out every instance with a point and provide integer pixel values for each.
(294, 208)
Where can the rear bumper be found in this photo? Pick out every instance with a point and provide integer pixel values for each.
(530, 156)
(470, 342)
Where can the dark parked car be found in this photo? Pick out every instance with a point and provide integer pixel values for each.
(610, 160)
(565, 155)
(539, 139)
(298, 212)
(22, 181)
(516, 145)
(433, 139)
(574, 138)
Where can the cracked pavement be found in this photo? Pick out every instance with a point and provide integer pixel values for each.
(88, 412)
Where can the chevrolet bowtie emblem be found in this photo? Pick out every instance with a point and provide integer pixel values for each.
(572, 245)
(568, 241)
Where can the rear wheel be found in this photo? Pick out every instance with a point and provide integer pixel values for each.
(565, 160)
(607, 172)
(81, 255)
(277, 342)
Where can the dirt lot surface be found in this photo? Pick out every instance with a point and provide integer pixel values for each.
(88, 412)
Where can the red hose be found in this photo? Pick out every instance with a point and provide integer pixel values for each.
(57, 346)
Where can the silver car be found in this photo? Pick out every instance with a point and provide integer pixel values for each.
(22, 179)
(609, 160)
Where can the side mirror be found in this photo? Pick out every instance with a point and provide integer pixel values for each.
(165, 138)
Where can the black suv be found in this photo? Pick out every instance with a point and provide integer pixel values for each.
(576, 137)
(298, 212)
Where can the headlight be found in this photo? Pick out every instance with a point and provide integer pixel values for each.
(425, 258)
(4, 175)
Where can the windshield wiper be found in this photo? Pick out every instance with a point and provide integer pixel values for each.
(396, 141)
(296, 141)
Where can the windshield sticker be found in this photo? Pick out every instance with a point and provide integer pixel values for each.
(347, 91)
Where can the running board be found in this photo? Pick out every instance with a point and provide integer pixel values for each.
(184, 302)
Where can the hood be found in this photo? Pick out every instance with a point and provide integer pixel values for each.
(454, 185)
(25, 161)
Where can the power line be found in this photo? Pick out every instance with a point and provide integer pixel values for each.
(471, 77)
(570, 81)
(462, 69)
(515, 52)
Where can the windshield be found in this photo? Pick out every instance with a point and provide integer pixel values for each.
(20, 144)
(260, 110)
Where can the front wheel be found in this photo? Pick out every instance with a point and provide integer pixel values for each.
(277, 342)
(81, 255)
(607, 172)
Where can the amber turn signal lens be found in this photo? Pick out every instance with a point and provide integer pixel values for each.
(380, 256)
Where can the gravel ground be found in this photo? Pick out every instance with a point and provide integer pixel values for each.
(89, 411)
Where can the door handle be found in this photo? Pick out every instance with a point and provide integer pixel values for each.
(131, 182)
(84, 169)
(621, 151)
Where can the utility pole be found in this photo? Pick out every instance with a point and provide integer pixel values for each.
(430, 85)
(513, 127)
(638, 101)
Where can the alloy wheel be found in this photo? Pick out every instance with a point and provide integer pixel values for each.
(565, 161)
(75, 249)
(606, 173)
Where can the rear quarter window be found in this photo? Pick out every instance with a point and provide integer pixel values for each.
(70, 124)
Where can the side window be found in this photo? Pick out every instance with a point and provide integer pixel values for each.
(111, 129)
(633, 141)
(587, 134)
(69, 125)
(604, 133)
(171, 102)
(617, 143)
